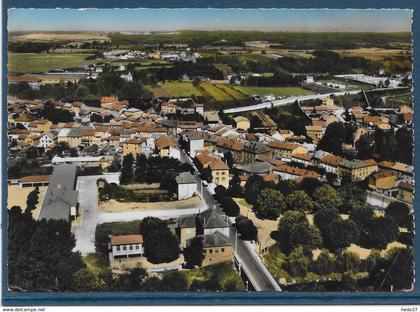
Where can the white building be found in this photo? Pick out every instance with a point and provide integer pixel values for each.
(128, 77)
(125, 246)
(187, 185)
(196, 144)
(46, 140)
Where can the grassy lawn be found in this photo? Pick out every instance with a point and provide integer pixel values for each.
(41, 62)
(96, 263)
(276, 91)
(140, 62)
(274, 260)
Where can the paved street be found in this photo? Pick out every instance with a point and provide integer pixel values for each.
(256, 271)
(91, 216)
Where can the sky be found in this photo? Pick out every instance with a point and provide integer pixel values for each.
(208, 19)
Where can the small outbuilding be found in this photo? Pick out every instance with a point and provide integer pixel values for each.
(187, 185)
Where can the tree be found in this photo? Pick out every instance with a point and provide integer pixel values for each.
(32, 199)
(348, 262)
(85, 280)
(246, 228)
(325, 263)
(132, 280)
(400, 212)
(175, 281)
(335, 135)
(382, 231)
(229, 206)
(270, 204)
(364, 147)
(95, 118)
(161, 246)
(228, 157)
(324, 216)
(352, 196)
(127, 169)
(193, 253)
(309, 185)
(294, 230)
(253, 187)
(150, 224)
(299, 200)
(298, 263)
(340, 234)
(326, 196)
(235, 189)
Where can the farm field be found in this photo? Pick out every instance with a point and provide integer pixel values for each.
(397, 100)
(374, 54)
(174, 89)
(276, 91)
(40, 62)
(232, 92)
(47, 36)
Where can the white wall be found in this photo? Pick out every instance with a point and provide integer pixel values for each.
(186, 190)
(127, 252)
(196, 145)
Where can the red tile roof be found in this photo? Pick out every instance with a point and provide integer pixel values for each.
(127, 239)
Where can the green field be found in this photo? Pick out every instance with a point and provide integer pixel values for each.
(398, 100)
(276, 91)
(41, 62)
(232, 92)
(174, 89)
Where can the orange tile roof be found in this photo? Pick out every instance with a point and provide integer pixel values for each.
(303, 157)
(230, 144)
(332, 160)
(218, 165)
(127, 239)
(283, 145)
(165, 141)
(297, 171)
(108, 99)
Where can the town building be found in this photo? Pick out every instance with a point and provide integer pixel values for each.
(125, 246)
(187, 185)
(286, 150)
(382, 180)
(61, 198)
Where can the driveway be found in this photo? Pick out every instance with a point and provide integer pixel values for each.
(91, 216)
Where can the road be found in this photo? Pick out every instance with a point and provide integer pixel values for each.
(292, 99)
(92, 216)
(244, 251)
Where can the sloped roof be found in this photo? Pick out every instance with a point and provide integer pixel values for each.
(126, 239)
(185, 178)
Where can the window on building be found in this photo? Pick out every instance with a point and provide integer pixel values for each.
(124, 247)
(130, 247)
(118, 248)
(210, 250)
(137, 247)
(222, 249)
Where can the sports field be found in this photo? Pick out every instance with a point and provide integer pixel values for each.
(276, 91)
(42, 62)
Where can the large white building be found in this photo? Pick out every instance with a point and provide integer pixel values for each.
(125, 246)
(187, 185)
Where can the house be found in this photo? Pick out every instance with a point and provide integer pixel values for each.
(168, 108)
(293, 173)
(71, 136)
(241, 122)
(194, 139)
(257, 167)
(187, 185)
(286, 150)
(405, 192)
(125, 246)
(108, 101)
(403, 171)
(382, 180)
(330, 163)
(61, 198)
(32, 181)
(41, 125)
(167, 147)
(315, 133)
(205, 223)
(46, 140)
(219, 172)
(216, 248)
(127, 77)
(303, 159)
(199, 109)
(357, 169)
(132, 146)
